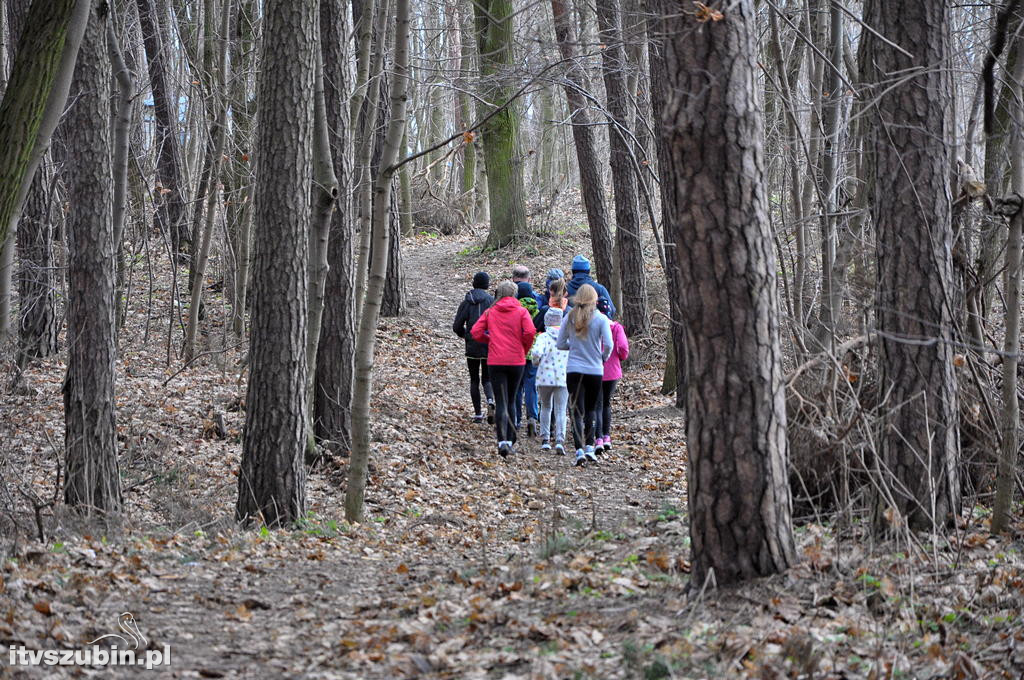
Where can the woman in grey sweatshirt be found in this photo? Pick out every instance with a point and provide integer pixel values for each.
(588, 337)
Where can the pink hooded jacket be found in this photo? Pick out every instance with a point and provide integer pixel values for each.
(620, 352)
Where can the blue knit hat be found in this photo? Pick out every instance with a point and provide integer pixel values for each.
(604, 306)
(580, 264)
(524, 290)
(555, 274)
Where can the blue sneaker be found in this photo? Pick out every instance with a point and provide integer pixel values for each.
(581, 458)
(559, 449)
(589, 454)
(545, 445)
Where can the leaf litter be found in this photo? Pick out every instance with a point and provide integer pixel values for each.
(467, 566)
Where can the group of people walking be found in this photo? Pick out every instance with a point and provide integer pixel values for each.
(544, 354)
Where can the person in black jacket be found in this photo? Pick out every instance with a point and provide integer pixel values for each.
(476, 302)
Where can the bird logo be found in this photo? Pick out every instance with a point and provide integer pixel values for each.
(134, 640)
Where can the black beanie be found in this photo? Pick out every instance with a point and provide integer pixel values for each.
(481, 280)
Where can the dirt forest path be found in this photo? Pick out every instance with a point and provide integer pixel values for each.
(467, 566)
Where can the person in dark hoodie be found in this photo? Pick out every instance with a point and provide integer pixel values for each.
(508, 331)
(581, 275)
(472, 307)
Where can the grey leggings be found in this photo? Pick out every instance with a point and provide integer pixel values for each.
(553, 401)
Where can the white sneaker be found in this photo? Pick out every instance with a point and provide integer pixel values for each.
(545, 445)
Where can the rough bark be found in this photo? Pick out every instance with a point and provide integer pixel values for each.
(124, 103)
(736, 418)
(170, 212)
(336, 355)
(271, 482)
(92, 481)
(494, 23)
(631, 274)
(37, 323)
(591, 184)
(912, 217)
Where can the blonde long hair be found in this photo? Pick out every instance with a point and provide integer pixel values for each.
(584, 305)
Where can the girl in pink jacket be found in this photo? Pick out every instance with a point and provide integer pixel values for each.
(612, 374)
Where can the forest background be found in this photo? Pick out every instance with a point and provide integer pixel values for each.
(234, 233)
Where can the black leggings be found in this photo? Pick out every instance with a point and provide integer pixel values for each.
(603, 426)
(477, 372)
(505, 381)
(584, 391)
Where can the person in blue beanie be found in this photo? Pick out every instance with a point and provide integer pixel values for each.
(581, 275)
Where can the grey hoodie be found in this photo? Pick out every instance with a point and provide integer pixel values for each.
(586, 355)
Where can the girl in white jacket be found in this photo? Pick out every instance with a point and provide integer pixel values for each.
(551, 363)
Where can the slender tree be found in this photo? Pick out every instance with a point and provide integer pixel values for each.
(171, 213)
(735, 403)
(592, 186)
(631, 277)
(90, 438)
(336, 355)
(905, 59)
(366, 344)
(272, 479)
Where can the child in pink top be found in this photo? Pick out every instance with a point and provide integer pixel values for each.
(612, 375)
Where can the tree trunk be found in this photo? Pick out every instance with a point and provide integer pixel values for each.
(37, 326)
(125, 80)
(33, 102)
(272, 479)
(394, 303)
(495, 20)
(630, 252)
(239, 211)
(170, 191)
(735, 401)
(469, 149)
(219, 78)
(910, 124)
(92, 480)
(671, 181)
(591, 185)
(356, 486)
(336, 355)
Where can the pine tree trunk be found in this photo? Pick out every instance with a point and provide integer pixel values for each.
(494, 24)
(92, 480)
(735, 400)
(272, 479)
(632, 275)
(591, 184)
(910, 124)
